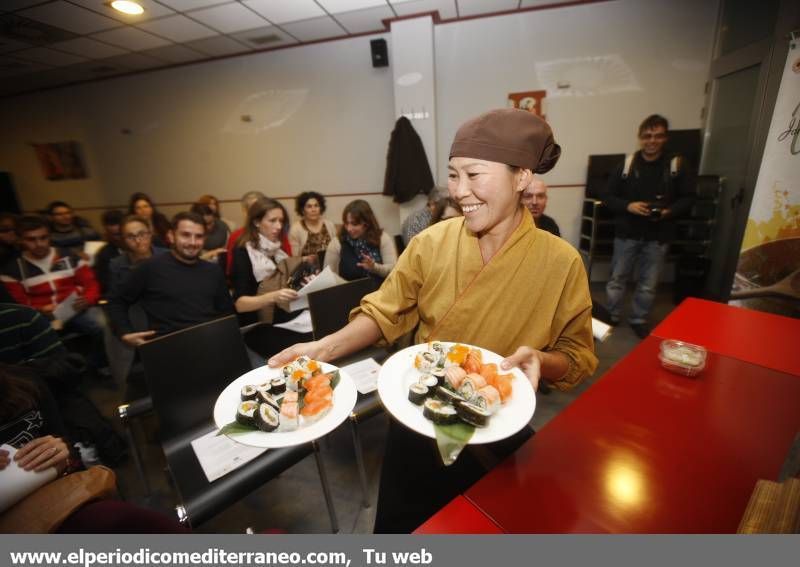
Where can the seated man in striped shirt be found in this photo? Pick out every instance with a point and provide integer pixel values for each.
(25, 335)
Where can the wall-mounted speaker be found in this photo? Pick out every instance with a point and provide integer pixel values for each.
(380, 54)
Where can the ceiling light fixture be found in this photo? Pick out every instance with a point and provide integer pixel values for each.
(127, 7)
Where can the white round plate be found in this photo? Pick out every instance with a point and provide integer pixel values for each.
(398, 373)
(344, 399)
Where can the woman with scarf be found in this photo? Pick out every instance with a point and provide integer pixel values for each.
(488, 278)
(260, 267)
(362, 249)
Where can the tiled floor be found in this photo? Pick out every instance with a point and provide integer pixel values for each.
(294, 501)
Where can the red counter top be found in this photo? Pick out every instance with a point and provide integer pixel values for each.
(760, 338)
(460, 516)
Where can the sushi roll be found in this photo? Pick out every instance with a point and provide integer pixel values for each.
(453, 376)
(473, 414)
(417, 393)
(314, 382)
(267, 418)
(270, 401)
(319, 393)
(288, 416)
(249, 392)
(245, 413)
(425, 361)
(439, 412)
(487, 398)
(263, 392)
(439, 353)
(447, 395)
(471, 384)
(428, 381)
(278, 385)
(290, 397)
(439, 375)
(312, 411)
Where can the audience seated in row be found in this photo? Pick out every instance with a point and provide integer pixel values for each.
(68, 231)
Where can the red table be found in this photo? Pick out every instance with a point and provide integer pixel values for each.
(648, 451)
(460, 516)
(753, 336)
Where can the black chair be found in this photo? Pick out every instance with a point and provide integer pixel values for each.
(185, 373)
(330, 309)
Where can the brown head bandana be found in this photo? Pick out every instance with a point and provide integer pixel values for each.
(508, 135)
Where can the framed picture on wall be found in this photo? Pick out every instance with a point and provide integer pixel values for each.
(529, 100)
(60, 160)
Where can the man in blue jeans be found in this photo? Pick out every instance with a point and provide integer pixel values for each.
(646, 194)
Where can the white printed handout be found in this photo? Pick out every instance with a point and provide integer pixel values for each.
(65, 310)
(300, 324)
(325, 279)
(365, 374)
(17, 483)
(91, 248)
(219, 455)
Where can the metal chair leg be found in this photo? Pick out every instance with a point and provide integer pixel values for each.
(362, 471)
(137, 458)
(326, 489)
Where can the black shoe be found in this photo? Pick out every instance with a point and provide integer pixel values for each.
(642, 330)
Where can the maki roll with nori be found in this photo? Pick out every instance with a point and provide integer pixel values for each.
(425, 361)
(271, 401)
(439, 375)
(249, 392)
(428, 381)
(447, 395)
(266, 418)
(417, 393)
(245, 413)
(263, 392)
(439, 412)
(471, 384)
(473, 414)
(278, 386)
(439, 354)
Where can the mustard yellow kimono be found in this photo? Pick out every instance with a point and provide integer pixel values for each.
(533, 292)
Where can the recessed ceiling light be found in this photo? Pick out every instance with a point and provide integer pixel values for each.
(127, 7)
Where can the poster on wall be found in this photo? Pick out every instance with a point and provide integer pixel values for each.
(60, 160)
(532, 101)
(768, 273)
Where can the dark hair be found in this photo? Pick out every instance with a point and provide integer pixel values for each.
(202, 209)
(303, 198)
(134, 218)
(188, 216)
(14, 218)
(652, 122)
(56, 204)
(27, 223)
(255, 214)
(206, 200)
(17, 394)
(441, 205)
(140, 197)
(362, 212)
(112, 217)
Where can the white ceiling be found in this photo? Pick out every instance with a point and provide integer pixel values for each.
(47, 43)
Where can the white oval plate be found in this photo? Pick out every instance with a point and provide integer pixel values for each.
(344, 399)
(398, 373)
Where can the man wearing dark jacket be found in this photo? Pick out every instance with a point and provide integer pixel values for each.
(646, 195)
(176, 290)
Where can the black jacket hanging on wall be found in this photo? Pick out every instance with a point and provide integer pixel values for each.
(407, 170)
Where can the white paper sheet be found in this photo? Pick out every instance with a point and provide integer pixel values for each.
(600, 330)
(65, 310)
(365, 374)
(219, 455)
(91, 248)
(300, 324)
(325, 279)
(17, 483)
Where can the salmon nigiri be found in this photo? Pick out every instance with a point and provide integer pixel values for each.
(502, 383)
(317, 381)
(473, 362)
(315, 410)
(319, 393)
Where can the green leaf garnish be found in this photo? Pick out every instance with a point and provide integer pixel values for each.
(451, 440)
(236, 428)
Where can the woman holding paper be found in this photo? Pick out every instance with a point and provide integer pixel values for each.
(261, 269)
(489, 278)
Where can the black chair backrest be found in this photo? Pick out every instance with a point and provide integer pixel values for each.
(187, 370)
(330, 307)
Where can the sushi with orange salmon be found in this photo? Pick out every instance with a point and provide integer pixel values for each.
(314, 410)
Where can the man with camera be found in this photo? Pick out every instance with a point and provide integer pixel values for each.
(646, 194)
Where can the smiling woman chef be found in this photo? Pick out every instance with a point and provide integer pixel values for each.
(489, 278)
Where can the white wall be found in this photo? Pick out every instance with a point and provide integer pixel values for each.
(186, 137)
(666, 44)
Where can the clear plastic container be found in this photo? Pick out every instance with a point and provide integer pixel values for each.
(682, 358)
